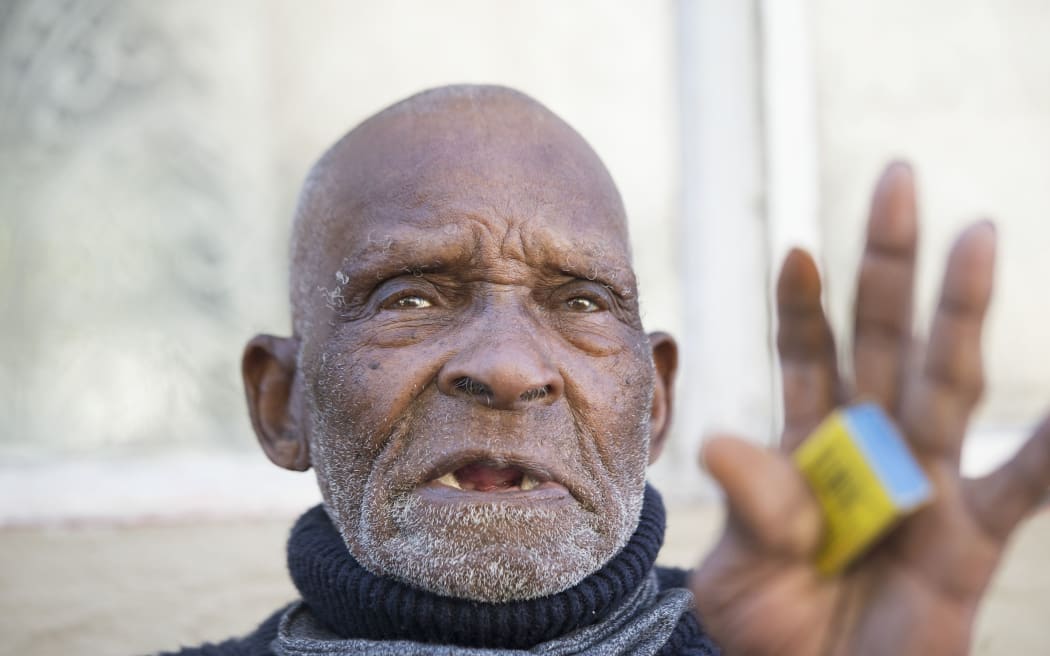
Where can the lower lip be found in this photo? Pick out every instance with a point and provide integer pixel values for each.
(549, 492)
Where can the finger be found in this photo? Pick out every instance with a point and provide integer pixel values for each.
(883, 311)
(767, 497)
(807, 349)
(1003, 498)
(937, 405)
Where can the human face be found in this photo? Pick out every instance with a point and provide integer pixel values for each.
(476, 382)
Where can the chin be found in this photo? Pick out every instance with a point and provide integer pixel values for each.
(498, 574)
(491, 552)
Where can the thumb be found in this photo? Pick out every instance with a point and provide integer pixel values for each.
(768, 500)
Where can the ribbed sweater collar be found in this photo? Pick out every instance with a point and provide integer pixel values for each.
(354, 603)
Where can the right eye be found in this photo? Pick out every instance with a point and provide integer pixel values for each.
(582, 304)
(410, 303)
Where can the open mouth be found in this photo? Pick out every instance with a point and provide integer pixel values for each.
(482, 477)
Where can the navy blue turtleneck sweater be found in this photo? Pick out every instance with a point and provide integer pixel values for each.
(355, 603)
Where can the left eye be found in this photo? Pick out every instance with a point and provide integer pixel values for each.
(581, 304)
(411, 303)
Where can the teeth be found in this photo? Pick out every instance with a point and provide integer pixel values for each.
(450, 480)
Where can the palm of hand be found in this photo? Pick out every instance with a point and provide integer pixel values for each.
(917, 591)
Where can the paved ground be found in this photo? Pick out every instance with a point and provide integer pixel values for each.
(128, 590)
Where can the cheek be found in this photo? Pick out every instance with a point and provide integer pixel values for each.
(616, 386)
(614, 399)
(364, 389)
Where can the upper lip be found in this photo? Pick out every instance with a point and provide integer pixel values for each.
(541, 472)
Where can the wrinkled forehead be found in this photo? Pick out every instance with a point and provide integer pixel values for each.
(503, 165)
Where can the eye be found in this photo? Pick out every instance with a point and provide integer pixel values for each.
(410, 303)
(582, 304)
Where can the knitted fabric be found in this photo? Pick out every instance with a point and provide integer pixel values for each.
(641, 626)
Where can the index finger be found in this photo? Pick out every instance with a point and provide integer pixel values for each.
(809, 367)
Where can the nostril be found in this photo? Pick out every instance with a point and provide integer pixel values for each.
(535, 393)
(471, 387)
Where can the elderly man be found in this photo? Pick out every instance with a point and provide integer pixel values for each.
(470, 380)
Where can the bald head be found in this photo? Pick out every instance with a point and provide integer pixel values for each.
(498, 146)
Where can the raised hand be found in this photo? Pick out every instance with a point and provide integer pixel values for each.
(917, 591)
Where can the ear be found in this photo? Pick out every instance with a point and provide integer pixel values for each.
(270, 383)
(665, 360)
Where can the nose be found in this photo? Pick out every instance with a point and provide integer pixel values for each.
(506, 371)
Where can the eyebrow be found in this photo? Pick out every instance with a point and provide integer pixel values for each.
(380, 258)
(417, 252)
(614, 274)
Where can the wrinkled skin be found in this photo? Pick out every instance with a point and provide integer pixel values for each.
(483, 242)
(470, 311)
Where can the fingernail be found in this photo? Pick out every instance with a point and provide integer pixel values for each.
(900, 165)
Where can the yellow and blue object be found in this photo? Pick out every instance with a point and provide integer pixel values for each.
(865, 479)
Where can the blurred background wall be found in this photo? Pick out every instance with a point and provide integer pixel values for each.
(151, 153)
